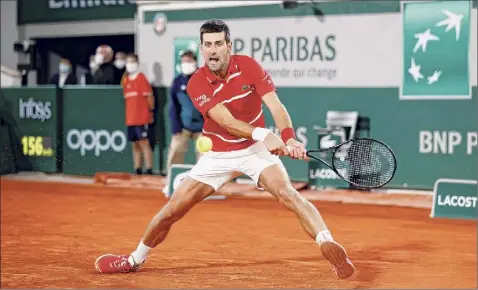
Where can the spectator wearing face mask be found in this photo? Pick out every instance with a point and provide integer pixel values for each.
(120, 62)
(186, 120)
(139, 106)
(106, 71)
(64, 75)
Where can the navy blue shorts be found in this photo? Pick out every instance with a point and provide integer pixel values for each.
(136, 133)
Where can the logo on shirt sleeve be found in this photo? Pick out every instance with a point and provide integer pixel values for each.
(202, 99)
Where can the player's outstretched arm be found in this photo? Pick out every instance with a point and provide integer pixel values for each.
(221, 115)
(284, 123)
(264, 86)
(279, 112)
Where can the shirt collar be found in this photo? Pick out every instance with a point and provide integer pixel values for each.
(232, 68)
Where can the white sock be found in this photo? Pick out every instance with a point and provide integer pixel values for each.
(323, 236)
(140, 254)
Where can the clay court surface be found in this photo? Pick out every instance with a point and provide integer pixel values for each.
(51, 234)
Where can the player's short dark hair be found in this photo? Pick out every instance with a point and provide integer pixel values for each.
(190, 54)
(214, 26)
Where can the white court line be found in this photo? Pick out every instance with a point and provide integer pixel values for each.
(404, 191)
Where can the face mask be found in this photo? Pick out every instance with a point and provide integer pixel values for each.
(93, 65)
(188, 68)
(99, 58)
(64, 68)
(119, 63)
(131, 67)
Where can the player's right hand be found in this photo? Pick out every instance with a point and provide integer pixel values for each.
(275, 145)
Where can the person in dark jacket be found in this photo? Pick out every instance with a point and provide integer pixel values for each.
(106, 72)
(186, 120)
(64, 76)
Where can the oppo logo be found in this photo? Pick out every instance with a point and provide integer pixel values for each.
(97, 141)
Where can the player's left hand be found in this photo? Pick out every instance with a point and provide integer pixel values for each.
(297, 150)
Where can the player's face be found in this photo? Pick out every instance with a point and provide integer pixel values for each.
(216, 51)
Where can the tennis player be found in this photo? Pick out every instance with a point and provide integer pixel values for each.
(229, 91)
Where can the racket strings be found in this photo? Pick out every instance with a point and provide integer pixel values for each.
(366, 163)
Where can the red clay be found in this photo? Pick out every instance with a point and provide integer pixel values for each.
(53, 232)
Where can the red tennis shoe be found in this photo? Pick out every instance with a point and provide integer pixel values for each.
(337, 256)
(108, 264)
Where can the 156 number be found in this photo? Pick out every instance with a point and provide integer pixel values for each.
(32, 145)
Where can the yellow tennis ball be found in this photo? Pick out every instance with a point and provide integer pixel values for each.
(203, 144)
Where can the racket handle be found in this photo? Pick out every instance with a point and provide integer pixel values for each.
(306, 151)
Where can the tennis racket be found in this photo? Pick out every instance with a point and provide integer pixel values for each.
(362, 162)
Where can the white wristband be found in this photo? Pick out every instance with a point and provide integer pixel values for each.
(260, 134)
